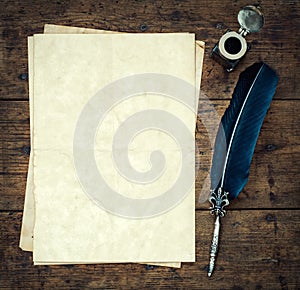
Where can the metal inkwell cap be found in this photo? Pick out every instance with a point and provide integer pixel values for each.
(251, 19)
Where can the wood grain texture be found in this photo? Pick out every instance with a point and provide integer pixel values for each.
(277, 43)
(253, 255)
(260, 234)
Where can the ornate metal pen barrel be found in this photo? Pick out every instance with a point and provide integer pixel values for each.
(219, 200)
(214, 246)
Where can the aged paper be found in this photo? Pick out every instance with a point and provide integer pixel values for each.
(66, 219)
(61, 29)
(26, 235)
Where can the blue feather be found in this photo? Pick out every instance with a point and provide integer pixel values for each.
(239, 129)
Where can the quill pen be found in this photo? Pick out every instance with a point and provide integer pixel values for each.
(236, 139)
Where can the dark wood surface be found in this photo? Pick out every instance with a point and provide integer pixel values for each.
(260, 235)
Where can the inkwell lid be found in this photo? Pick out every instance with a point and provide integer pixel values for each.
(251, 19)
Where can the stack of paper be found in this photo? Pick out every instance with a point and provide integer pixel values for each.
(107, 182)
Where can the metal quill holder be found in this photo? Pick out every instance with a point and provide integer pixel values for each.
(219, 200)
(232, 46)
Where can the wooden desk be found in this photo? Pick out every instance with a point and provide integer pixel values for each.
(260, 235)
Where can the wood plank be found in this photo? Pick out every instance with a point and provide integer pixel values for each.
(277, 43)
(269, 185)
(259, 250)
